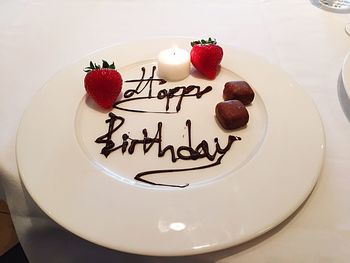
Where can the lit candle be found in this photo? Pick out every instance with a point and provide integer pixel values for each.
(173, 64)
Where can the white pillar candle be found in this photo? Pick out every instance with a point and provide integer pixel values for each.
(173, 64)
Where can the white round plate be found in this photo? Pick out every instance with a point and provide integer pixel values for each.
(262, 178)
(346, 74)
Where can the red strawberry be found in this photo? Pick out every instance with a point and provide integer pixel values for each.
(206, 57)
(104, 84)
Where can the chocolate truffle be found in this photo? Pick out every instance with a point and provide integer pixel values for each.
(231, 114)
(238, 90)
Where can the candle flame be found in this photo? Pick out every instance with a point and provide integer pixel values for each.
(174, 48)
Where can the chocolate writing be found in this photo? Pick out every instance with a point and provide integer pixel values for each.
(144, 90)
(145, 85)
(184, 152)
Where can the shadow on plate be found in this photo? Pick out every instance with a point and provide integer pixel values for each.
(343, 97)
(44, 232)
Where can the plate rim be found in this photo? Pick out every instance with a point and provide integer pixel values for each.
(345, 76)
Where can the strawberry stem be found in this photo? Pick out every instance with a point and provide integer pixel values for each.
(210, 41)
(93, 66)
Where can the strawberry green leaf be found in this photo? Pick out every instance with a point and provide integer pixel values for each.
(210, 41)
(94, 66)
(105, 64)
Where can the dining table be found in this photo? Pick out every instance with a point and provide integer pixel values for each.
(306, 41)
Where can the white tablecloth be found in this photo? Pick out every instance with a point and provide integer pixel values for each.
(38, 38)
